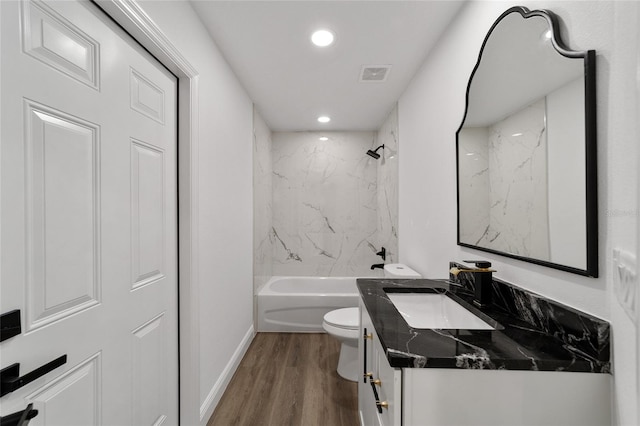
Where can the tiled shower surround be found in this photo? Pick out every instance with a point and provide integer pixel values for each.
(324, 204)
(324, 208)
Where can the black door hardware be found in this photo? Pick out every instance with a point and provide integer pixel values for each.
(10, 379)
(10, 325)
(20, 418)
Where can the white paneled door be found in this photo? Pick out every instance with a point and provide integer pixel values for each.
(88, 218)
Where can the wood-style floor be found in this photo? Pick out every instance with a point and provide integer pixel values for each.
(289, 379)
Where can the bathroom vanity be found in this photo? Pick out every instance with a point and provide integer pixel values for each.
(538, 362)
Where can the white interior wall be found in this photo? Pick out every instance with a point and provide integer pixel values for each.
(430, 112)
(225, 201)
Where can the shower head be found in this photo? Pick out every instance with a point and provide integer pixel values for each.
(374, 154)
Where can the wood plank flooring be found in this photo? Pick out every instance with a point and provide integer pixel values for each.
(289, 379)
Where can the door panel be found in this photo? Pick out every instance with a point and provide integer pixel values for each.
(146, 97)
(72, 399)
(149, 362)
(88, 220)
(62, 210)
(147, 213)
(55, 41)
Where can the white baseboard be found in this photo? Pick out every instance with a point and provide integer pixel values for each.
(212, 399)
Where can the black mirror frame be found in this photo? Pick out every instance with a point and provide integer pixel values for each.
(591, 178)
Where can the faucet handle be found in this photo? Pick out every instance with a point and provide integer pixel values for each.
(479, 263)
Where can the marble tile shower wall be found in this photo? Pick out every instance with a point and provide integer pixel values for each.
(262, 211)
(388, 187)
(324, 204)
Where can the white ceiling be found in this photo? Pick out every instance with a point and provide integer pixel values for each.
(292, 82)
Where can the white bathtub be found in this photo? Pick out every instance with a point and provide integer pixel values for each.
(298, 304)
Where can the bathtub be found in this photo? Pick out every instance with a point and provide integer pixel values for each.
(298, 304)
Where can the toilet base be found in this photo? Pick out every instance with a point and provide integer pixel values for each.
(348, 361)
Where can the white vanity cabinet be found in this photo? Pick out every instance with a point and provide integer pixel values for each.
(380, 385)
(457, 397)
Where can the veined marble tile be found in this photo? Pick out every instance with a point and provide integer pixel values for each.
(324, 204)
(387, 184)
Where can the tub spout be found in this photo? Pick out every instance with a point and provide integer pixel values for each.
(377, 266)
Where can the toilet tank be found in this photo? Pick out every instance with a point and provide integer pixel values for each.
(399, 270)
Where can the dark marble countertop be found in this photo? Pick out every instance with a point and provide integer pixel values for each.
(552, 338)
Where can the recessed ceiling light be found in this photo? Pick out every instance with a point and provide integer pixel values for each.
(322, 38)
(324, 119)
(323, 138)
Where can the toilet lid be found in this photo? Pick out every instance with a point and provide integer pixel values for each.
(344, 318)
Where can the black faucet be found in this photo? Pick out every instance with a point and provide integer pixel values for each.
(377, 265)
(382, 253)
(483, 279)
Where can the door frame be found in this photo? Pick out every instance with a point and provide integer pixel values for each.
(130, 16)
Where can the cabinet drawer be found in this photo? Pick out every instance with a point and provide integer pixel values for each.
(389, 388)
(368, 408)
(379, 386)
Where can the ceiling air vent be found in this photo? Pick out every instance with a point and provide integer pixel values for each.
(374, 73)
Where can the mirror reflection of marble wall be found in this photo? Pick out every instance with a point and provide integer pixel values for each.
(522, 149)
(504, 169)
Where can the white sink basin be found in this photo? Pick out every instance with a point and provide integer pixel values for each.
(435, 310)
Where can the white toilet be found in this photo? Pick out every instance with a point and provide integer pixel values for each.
(344, 325)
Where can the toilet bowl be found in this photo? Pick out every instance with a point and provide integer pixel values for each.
(344, 325)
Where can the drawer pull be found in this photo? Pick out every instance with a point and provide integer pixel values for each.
(377, 398)
(364, 355)
(370, 374)
(377, 382)
(383, 404)
(368, 336)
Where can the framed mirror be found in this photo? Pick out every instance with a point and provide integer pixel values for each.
(526, 148)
